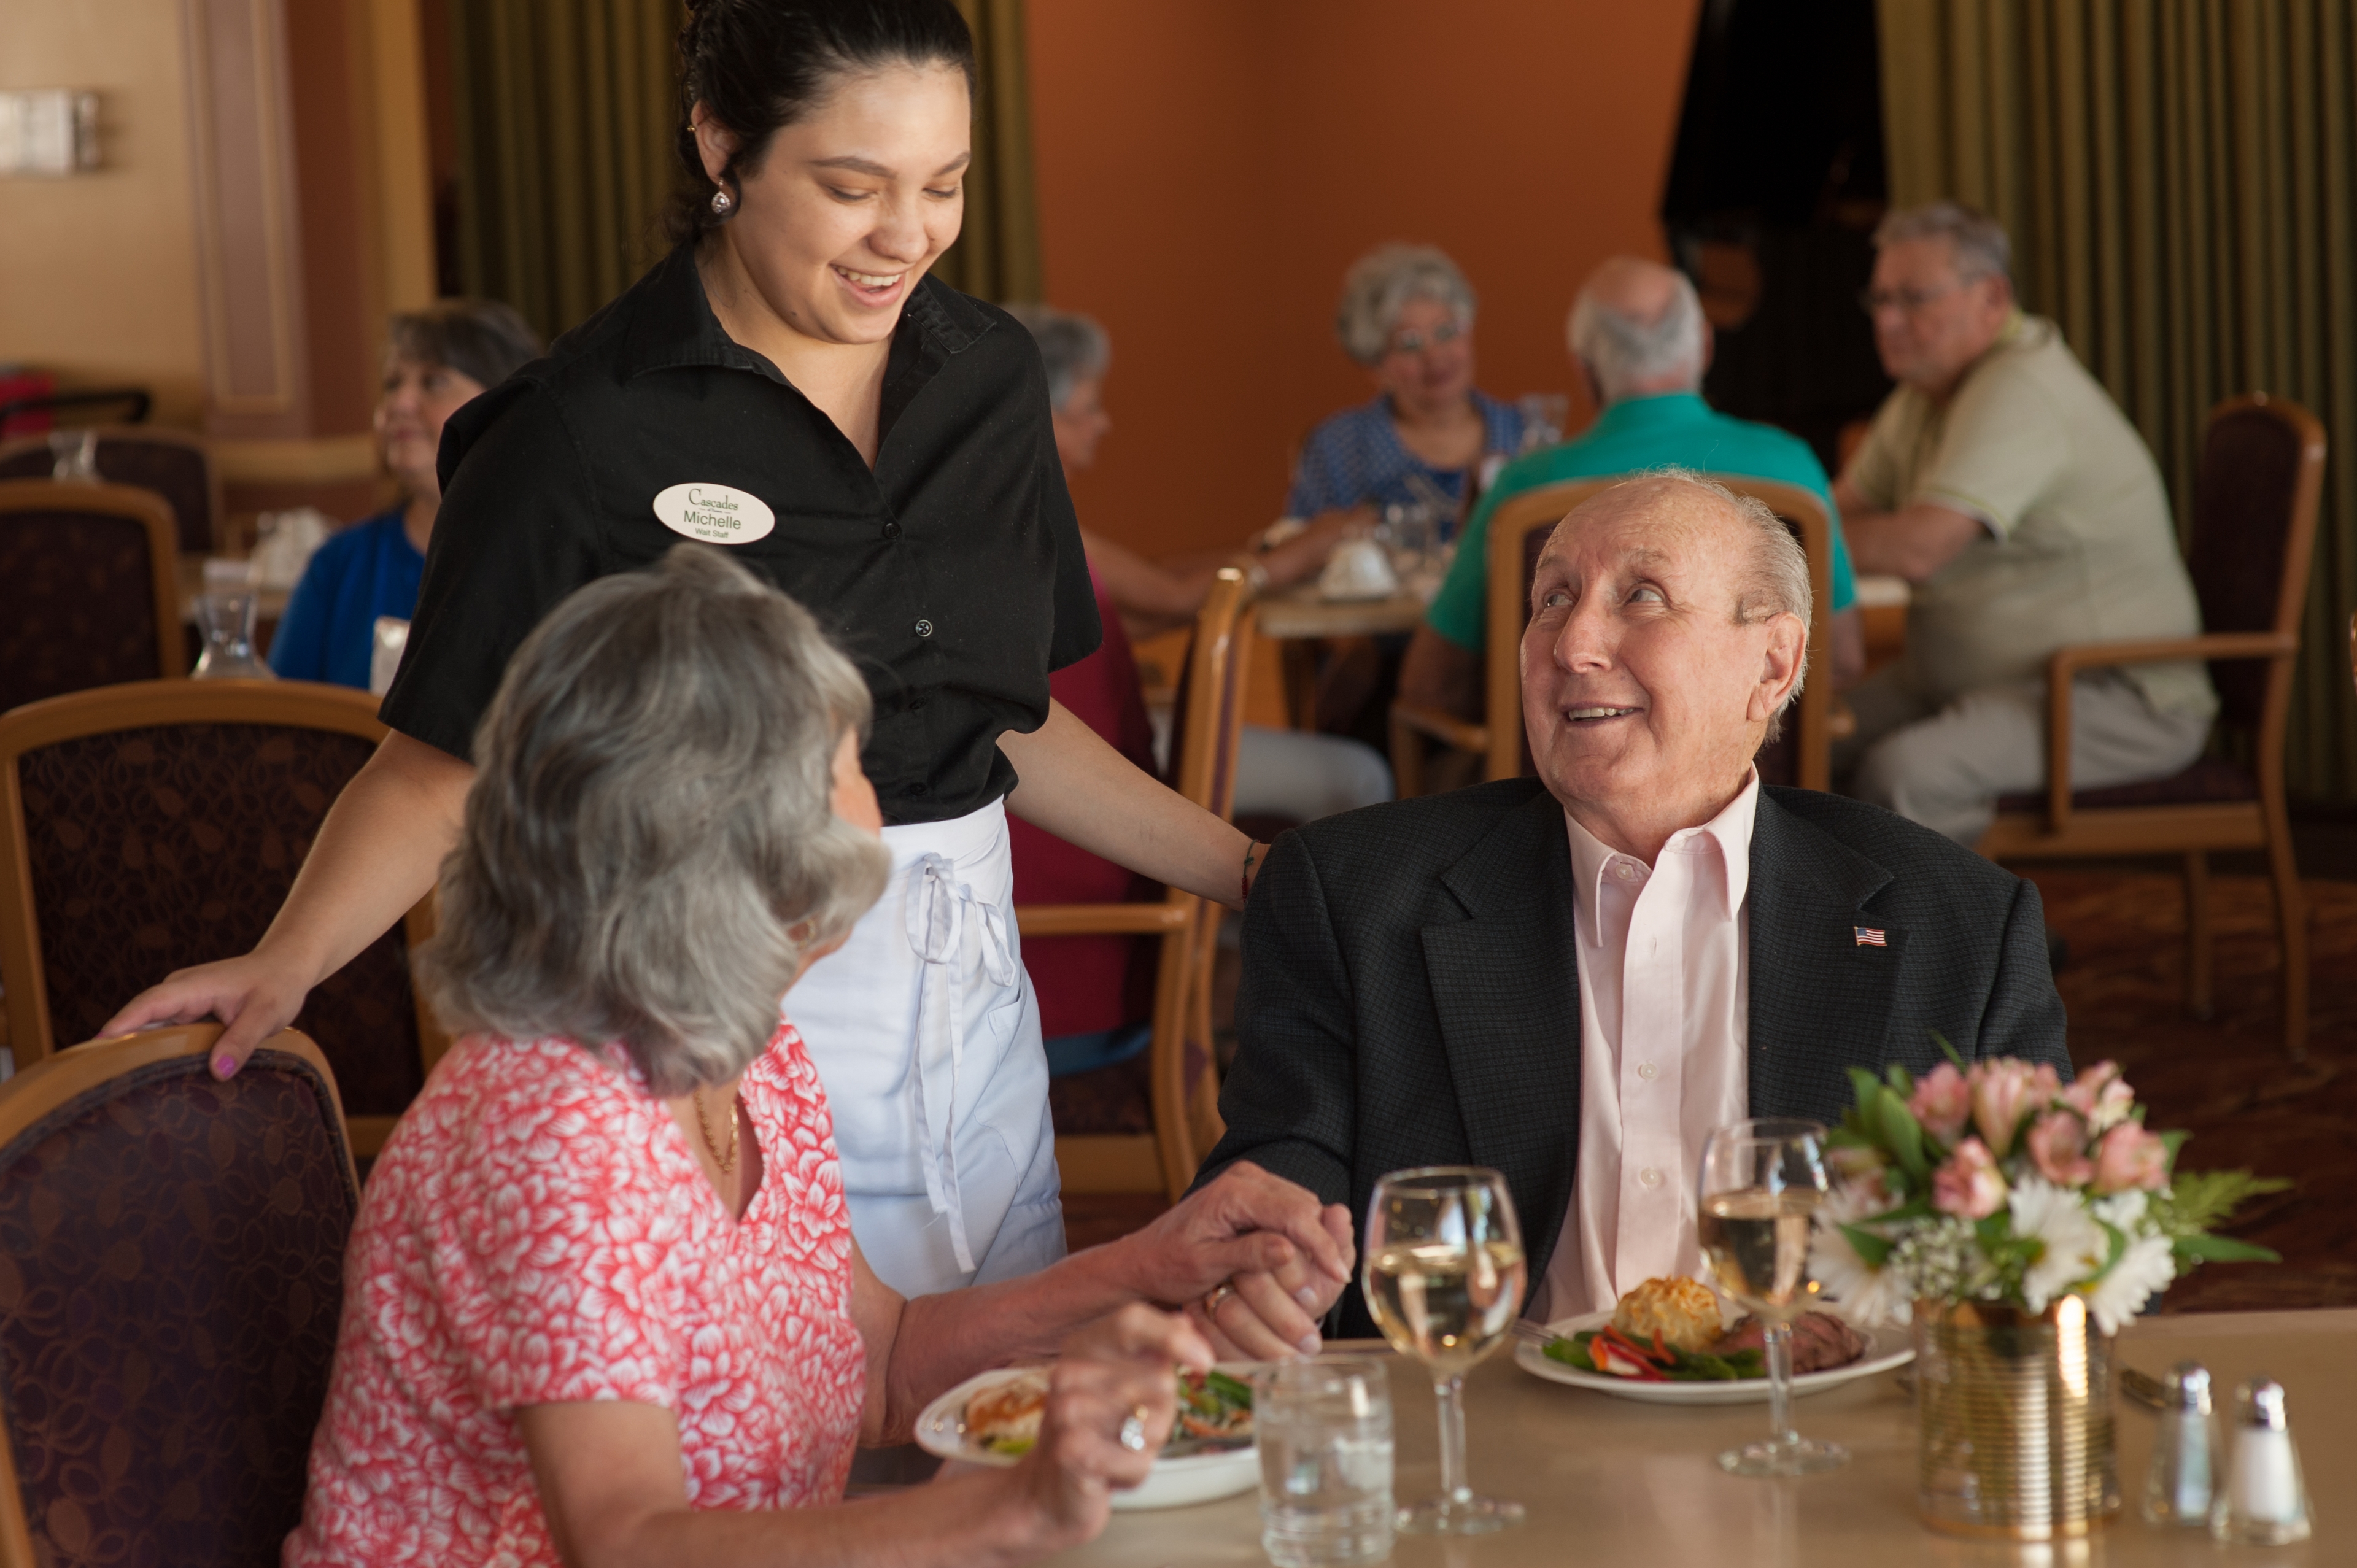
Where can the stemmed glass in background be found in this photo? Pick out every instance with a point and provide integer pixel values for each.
(1762, 1183)
(1444, 1278)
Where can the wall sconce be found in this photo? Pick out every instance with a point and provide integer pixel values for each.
(49, 131)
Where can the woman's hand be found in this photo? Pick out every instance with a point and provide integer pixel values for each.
(1283, 1259)
(1119, 1368)
(256, 995)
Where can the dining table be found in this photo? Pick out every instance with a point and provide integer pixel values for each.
(1299, 618)
(1612, 1483)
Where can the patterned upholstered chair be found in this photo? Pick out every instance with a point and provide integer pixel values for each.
(1144, 1125)
(2256, 494)
(147, 827)
(88, 592)
(175, 465)
(171, 1274)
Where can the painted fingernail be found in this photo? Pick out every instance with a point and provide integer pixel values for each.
(224, 1065)
(1308, 1344)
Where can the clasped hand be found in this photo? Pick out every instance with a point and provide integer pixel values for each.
(1286, 1257)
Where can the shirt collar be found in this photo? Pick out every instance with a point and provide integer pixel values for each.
(1651, 412)
(1727, 835)
(674, 324)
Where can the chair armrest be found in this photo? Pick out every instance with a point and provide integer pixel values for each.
(1446, 728)
(1099, 920)
(2067, 662)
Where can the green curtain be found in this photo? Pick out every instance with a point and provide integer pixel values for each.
(565, 112)
(2180, 179)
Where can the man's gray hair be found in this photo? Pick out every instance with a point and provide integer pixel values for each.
(1979, 242)
(1775, 580)
(1385, 279)
(650, 850)
(1625, 352)
(1072, 345)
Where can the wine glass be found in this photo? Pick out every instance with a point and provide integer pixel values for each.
(1762, 1183)
(1444, 1278)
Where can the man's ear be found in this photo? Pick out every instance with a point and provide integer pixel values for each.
(715, 144)
(1782, 665)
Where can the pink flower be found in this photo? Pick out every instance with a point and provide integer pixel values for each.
(2057, 1148)
(2130, 1156)
(2006, 1092)
(2101, 1097)
(1942, 1102)
(1969, 1185)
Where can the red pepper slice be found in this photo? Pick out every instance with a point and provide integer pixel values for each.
(1620, 1342)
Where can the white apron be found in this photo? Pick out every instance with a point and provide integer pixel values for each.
(926, 1034)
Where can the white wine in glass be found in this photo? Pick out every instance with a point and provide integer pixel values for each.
(1444, 1279)
(1761, 1184)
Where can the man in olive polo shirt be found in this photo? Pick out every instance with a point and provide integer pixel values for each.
(1639, 338)
(2002, 482)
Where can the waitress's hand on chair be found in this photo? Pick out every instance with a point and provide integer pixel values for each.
(1282, 1258)
(254, 995)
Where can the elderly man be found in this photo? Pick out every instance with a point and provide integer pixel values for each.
(1642, 344)
(1575, 978)
(2000, 479)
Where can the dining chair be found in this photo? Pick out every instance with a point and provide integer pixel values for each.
(171, 1278)
(173, 464)
(1145, 1125)
(1802, 756)
(89, 595)
(2255, 493)
(147, 827)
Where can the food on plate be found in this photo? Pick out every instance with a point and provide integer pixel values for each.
(1216, 1411)
(1683, 1312)
(1657, 1335)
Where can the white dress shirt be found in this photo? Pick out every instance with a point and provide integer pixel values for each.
(1665, 1012)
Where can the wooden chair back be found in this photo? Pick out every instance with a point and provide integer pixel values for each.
(171, 1272)
(1519, 531)
(1206, 733)
(147, 827)
(175, 464)
(1807, 740)
(2256, 491)
(89, 589)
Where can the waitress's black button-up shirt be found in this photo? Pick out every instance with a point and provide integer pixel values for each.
(952, 572)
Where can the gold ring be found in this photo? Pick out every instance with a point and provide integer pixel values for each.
(1218, 1298)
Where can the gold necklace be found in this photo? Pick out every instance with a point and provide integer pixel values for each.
(728, 1162)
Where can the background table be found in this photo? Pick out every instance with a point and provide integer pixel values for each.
(1299, 619)
(1613, 1484)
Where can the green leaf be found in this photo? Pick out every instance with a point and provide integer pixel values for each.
(1874, 1250)
(1913, 1209)
(2196, 1201)
(2119, 1239)
(1571, 1352)
(1901, 1134)
(1902, 1082)
(1954, 1055)
(2223, 1249)
(1866, 1085)
(1996, 1231)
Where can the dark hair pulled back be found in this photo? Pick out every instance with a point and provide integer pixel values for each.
(759, 66)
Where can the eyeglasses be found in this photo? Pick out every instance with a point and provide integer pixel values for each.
(1908, 301)
(1414, 342)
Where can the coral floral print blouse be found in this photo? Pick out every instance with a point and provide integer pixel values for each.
(538, 1231)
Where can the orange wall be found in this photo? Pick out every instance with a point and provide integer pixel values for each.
(1208, 168)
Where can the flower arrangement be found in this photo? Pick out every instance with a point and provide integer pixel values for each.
(1997, 1182)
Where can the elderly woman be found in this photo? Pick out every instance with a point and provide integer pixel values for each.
(603, 1300)
(439, 359)
(1095, 991)
(1407, 316)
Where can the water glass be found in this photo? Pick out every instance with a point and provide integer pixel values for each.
(1324, 1429)
(225, 615)
(74, 455)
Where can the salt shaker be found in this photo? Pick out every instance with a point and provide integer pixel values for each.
(2265, 1502)
(2185, 1451)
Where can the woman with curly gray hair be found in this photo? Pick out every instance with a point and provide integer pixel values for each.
(1407, 316)
(603, 1299)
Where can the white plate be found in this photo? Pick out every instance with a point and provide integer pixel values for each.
(1172, 1483)
(1885, 1348)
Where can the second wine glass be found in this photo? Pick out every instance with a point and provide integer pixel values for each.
(1444, 1279)
(1762, 1183)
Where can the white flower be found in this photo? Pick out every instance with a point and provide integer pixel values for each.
(2146, 1266)
(2123, 1211)
(1864, 1294)
(2075, 1245)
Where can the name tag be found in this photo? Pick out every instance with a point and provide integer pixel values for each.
(714, 513)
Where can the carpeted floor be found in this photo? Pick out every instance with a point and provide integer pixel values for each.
(2225, 1080)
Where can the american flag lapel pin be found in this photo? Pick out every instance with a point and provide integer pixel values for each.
(1869, 937)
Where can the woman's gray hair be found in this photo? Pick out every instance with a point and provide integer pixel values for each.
(1383, 280)
(1981, 247)
(1072, 345)
(1625, 352)
(1776, 580)
(649, 850)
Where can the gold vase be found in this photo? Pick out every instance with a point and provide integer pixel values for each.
(2016, 1407)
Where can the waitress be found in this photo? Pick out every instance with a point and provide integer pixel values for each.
(790, 386)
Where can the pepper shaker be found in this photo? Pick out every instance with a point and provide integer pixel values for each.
(2179, 1487)
(2265, 1502)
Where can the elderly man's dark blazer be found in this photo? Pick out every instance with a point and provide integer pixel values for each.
(1410, 986)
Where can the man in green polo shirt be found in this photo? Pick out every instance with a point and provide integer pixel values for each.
(2002, 481)
(1639, 340)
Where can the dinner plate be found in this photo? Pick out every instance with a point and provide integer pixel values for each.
(1172, 1483)
(1886, 1347)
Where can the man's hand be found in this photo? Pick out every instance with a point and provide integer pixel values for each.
(1284, 1258)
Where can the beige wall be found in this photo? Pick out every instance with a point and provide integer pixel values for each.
(98, 277)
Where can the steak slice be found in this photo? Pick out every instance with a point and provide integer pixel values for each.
(1820, 1342)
